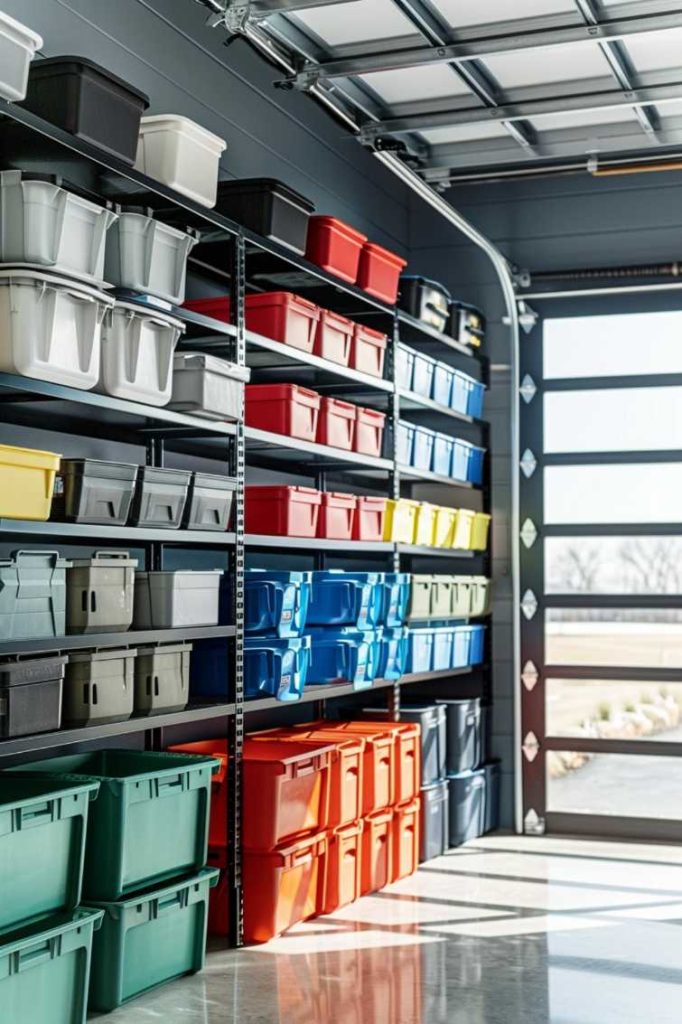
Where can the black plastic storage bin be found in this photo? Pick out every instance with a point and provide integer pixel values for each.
(425, 300)
(160, 497)
(88, 101)
(209, 505)
(435, 820)
(31, 696)
(464, 735)
(467, 806)
(91, 491)
(466, 324)
(433, 721)
(268, 207)
(492, 796)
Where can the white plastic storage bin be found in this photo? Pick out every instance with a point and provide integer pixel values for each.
(148, 256)
(43, 224)
(208, 386)
(137, 354)
(18, 45)
(181, 154)
(184, 597)
(50, 328)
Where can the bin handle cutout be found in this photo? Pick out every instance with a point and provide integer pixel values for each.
(38, 954)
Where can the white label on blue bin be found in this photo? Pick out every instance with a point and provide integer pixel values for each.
(286, 616)
(285, 683)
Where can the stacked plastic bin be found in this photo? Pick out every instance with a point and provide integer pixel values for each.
(344, 627)
(473, 779)
(441, 637)
(128, 831)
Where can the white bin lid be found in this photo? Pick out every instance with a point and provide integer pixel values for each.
(20, 33)
(149, 313)
(35, 279)
(210, 364)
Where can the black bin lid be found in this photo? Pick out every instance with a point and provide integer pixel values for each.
(70, 65)
(249, 186)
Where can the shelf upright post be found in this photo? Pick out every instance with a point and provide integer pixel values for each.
(154, 456)
(394, 691)
(320, 563)
(236, 721)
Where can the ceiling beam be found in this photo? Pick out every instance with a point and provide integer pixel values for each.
(611, 99)
(462, 53)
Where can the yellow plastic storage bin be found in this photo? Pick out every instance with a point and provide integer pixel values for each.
(462, 535)
(401, 520)
(26, 482)
(480, 531)
(444, 525)
(425, 525)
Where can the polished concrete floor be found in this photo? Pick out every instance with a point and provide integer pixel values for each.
(506, 930)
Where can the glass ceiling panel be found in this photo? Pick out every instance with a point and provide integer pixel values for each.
(464, 133)
(548, 64)
(465, 13)
(656, 51)
(433, 82)
(572, 119)
(359, 22)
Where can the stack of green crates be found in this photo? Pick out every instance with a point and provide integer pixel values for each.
(144, 875)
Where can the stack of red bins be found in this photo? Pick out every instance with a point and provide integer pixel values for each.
(286, 799)
(348, 254)
(284, 510)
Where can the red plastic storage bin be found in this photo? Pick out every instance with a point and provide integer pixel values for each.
(219, 897)
(282, 511)
(217, 833)
(405, 839)
(377, 851)
(282, 316)
(369, 432)
(337, 515)
(335, 246)
(336, 423)
(369, 519)
(283, 409)
(378, 770)
(344, 867)
(333, 337)
(368, 350)
(379, 272)
(283, 886)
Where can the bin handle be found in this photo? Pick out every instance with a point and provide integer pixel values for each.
(37, 816)
(178, 901)
(110, 553)
(306, 767)
(26, 555)
(37, 954)
(176, 782)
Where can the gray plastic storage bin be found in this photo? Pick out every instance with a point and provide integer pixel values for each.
(32, 595)
(433, 722)
(100, 592)
(99, 686)
(435, 820)
(184, 597)
(31, 696)
(464, 734)
(208, 386)
(162, 678)
(91, 491)
(467, 802)
(44, 225)
(209, 506)
(147, 256)
(160, 497)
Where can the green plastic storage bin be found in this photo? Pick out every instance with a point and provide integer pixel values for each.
(43, 826)
(150, 939)
(44, 970)
(150, 821)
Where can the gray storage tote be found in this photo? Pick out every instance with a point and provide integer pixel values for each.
(99, 686)
(32, 595)
(208, 386)
(162, 678)
(100, 592)
(183, 597)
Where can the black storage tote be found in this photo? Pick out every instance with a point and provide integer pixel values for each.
(268, 207)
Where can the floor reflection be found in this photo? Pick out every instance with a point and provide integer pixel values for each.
(505, 931)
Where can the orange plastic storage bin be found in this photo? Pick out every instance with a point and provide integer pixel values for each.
(377, 851)
(407, 761)
(344, 867)
(283, 886)
(379, 272)
(282, 409)
(217, 833)
(406, 839)
(378, 768)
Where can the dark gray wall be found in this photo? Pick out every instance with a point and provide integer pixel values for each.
(545, 224)
(164, 48)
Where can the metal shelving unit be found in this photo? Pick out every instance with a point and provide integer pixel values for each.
(243, 262)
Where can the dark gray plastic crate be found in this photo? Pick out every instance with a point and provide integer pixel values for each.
(435, 820)
(31, 696)
(162, 678)
(467, 803)
(32, 595)
(91, 491)
(209, 506)
(464, 735)
(99, 687)
(160, 497)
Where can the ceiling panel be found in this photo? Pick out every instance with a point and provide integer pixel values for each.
(359, 22)
(656, 51)
(551, 122)
(548, 64)
(464, 133)
(426, 83)
(466, 13)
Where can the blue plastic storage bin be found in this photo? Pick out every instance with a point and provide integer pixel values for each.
(476, 645)
(442, 384)
(393, 654)
(346, 599)
(422, 455)
(344, 656)
(397, 589)
(461, 388)
(276, 668)
(210, 670)
(461, 647)
(404, 443)
(476, 460)
(442, 454)
(461, 459)
(420, 650)
(276, 603)
(442, 649)
(475, 401)
(404, 367)
(422, 377)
